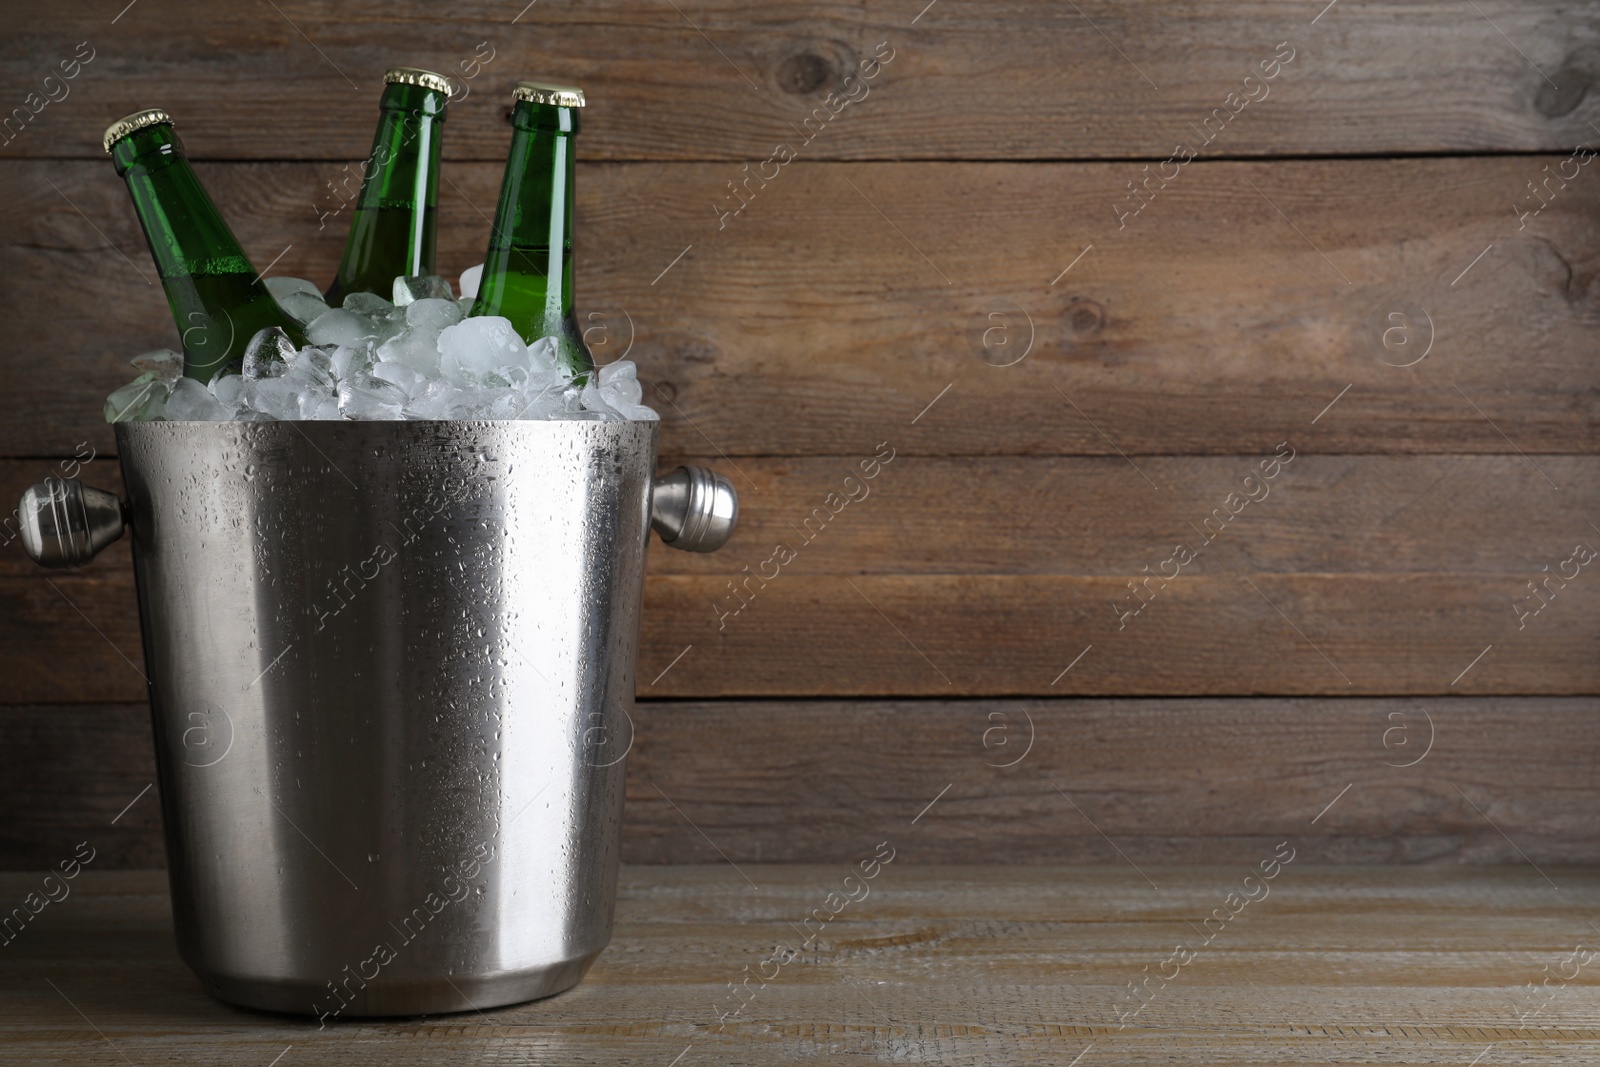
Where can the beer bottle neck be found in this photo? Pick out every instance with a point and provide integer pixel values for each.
(527, 272)
(215, 295)
(392, 229)
(186, 232)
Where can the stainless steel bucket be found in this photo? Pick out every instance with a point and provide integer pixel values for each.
(391, 666)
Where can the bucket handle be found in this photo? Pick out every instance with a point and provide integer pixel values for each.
(66, 523)
(694, 509)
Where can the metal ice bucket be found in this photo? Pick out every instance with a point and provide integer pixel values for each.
(390, 666)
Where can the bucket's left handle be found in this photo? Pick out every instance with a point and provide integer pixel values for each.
(66, 523)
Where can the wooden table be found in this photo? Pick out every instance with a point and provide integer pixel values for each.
(948, 965)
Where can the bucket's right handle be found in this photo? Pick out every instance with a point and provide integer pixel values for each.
(694, 509)
(65, 523)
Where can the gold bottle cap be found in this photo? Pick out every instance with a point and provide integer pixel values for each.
(130, 123)
(544, 93)
(425, 78)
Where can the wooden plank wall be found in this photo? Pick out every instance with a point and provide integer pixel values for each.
(1378, 277)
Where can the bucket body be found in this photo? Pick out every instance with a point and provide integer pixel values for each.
(391, 667)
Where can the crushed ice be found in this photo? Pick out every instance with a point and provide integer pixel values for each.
(417, 357)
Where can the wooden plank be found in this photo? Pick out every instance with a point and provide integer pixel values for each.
(974, 635)
(810, 325)
(727, 79)
(964, 635)
(1481, 515)
(1496, 780)
(71, 636)
(975, 966)
(1337, 514)
(96, 763)
(1163, 781)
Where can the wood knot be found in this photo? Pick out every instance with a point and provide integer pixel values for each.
(805, 73)
(1085, 317)
(1567, 87)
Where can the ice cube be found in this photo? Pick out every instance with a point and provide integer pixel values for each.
(400, 376)
(373, 317)
(593, 398)
(268, 354)
(476, 347)
(620, 381)
(192, 402)
(623, 370)
(421, 287)
(339, 327)
(474, 403)
(315, 364)
(310, 393)
(640, 413)
(569, 402)
(349, 360)
(302, 308)
(368, 304)
(282, 287)
(434, 401)
(391, 323)
(544, 357)
(301, 300)
(417, 346)
(540, 402)
(362, 402)
(471, 278)
(276, 398)
(164, 363)
(434, 312)
(227, 389)
(619, 386)
(417, 349)
(139, 400)
(327, 410)
(597, 401)
(501, 405)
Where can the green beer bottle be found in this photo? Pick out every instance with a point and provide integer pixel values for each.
(392, 231)
(216, 296)
(527, 271)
